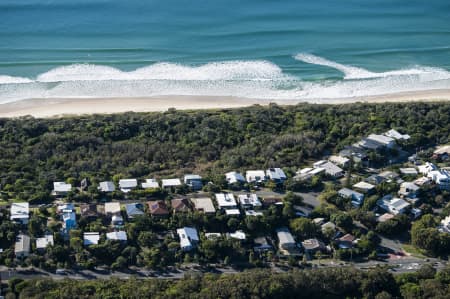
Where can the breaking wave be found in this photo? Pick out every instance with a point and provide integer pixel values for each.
(248, 79)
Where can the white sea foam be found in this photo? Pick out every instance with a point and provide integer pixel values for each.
(250, 79)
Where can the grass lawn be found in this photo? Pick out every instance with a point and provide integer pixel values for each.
(413, 251)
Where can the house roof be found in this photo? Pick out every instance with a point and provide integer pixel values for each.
(329, 167)
(22, 243)
(396, 135)
(42, 243)
(312, 244)
(232, 212)
(180, 205)
(385, 217)
(345, 192)
(234, 177)
(240, 235)
(107, 186)
(255, 175)
(91, 238)
(225, 200)
(408, 171)
(157, 207)
(192, 177)
(120, 235)
(150, 183)
(339, 159)
(88, 210)
(61, 187)
(385, 140)
(276, 174)
(445, 149)
(187, 235)
(20, 210)
(112, 207)
(285, 236)
(171, 183)
(249, 199)
(128, 183)
(204, 204)
(364, 186)
(134, 209)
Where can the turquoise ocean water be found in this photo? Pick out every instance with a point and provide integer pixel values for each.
(256, 48)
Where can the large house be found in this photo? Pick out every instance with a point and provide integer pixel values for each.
(20, 212)
(188, 238)
(255, 176)
(394, 205)
(194, 181)
(375, 141)
(204, 204)
(227, 202)
(276, 174)
(330, 168)
(356, 197)
(126, 185)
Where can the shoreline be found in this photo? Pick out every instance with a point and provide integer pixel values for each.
(59, 107)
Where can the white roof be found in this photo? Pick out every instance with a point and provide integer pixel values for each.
(393, 205)
(255, 175)
(150, 183)
(422, 181)
(249, 199)
(363, 186)
(127, 184)
(426, 168)
(338, 159)
(253, 213)
(171, 183)
(120, 235)
(107, 186)
(20, 210)
(276, 174)
(440, 176)
(232, 212)
(329, 167)
(112, 207)
(240, 235)
(91, 238)
(61, 187)
(409, 185)
(396, 135)
(225, 200)
(408, 170)
(42, 243)
(192, 177)
(22, 244)
(234, 177)
(381, 139)
(442, 150)
(285, 236)
(305, 170)
(187, 235)
(204, 204)
(212, 235)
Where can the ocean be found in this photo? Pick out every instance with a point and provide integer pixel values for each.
(263, 49)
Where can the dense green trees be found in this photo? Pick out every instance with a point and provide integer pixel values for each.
(425, 235)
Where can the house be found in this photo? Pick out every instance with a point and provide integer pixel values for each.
(158, 208)
(385, 217)
(445, 225)
(212, 236)
(239, 235)
(20, 212)
(194, 181)
(107, 187)
(61, 188)
(22, 246)
(180, 205)
(188, 238)
(389, 176)
(126, 185)
(416, 213)
(386, 141)
(346, 241)
(442, 152)
(89, 211)
(330, 169)
(307, 173)
(253, 213)
(42, 243)
(364, 187)
(422, 181)
(68, 207)
(285, 239)
(276, 174)
(408, 171)
(328, 226)
(112, 208)
(91, 238)
(261, 245)
(356, 153)
(393, 205)
(204, 204)
(118, 236)
(356, 197)
(339, 160)
(408, 189)
(255, 176)
(171, 183)
(234, 177)
(150, 184)
(426, 168)
(227, 202)
(249, 201)
(302, 211)
(117, 220)
(312, 245)
(375, 179)
(69, 220)
(134, 210)
(440, 178)
(396, 135)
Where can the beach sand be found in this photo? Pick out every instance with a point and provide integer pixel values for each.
(78, 106)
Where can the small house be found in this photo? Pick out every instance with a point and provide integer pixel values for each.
(330, 169)
(356, 197)
(312, 245)
(134, 210)
(42, 243)
(91, 238)
(255, 176)
(107, 187)
(188, 238)
(20, 212)
(234, 177)
(203, 204)
(158, 208)
(112, 208)
(194, 181)
(171, 183)
(61, 188)
(117, 236)
(285, 238)
(89, 211)
(126, 185)
(150, 184)
(276, 174)
(180, 205)
(393, 205)
(22, 246)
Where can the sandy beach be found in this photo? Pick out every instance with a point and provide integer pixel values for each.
(58, 107)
